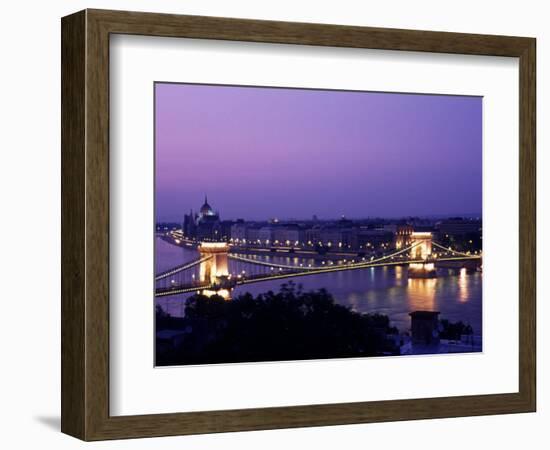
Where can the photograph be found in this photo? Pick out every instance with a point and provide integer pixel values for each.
(253, 226)
(303, 224)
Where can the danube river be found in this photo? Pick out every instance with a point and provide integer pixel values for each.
(385, 290)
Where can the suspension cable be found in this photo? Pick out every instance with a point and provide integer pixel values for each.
(449, 249)
(286, 266)
(181, 268)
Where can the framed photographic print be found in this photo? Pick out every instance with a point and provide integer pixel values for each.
(271, 224)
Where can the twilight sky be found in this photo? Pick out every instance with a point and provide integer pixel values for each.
(289, 153)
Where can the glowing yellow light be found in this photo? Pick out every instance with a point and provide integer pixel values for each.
(213, 245)
(420, 234)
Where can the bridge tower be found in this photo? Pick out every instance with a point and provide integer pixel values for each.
(422, 243)
(215, 269)
(422, 250)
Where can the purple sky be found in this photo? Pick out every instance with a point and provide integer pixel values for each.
(291, 153)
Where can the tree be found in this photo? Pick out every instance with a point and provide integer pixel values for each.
(454, 331)
(288, 325)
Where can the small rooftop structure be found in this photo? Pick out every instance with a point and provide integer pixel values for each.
(425, 327)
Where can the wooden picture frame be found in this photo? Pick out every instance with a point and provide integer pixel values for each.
(85, 224)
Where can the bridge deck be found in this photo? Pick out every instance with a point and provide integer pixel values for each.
(300, 272)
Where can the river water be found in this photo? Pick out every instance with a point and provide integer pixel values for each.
(385, 290)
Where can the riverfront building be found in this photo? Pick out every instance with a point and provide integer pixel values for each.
(459, 227)
(204, 225)
(364, 236)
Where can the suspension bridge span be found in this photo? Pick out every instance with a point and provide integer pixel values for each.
(214, 278)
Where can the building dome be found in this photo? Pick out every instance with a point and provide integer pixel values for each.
(206, 209)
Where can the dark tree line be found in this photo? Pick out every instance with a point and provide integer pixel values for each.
(454, 331)
(288, 325)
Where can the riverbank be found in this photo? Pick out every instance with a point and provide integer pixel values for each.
(386, 290)
(274, 251)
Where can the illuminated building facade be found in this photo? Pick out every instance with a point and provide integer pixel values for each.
(402, 237)
(204, 225)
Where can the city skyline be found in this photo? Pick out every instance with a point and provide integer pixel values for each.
(261, 153)
(195, 208)
(360, 230)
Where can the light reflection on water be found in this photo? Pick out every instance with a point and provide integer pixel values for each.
(385, 290)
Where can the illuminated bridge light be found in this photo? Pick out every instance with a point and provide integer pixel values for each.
(296, 271)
